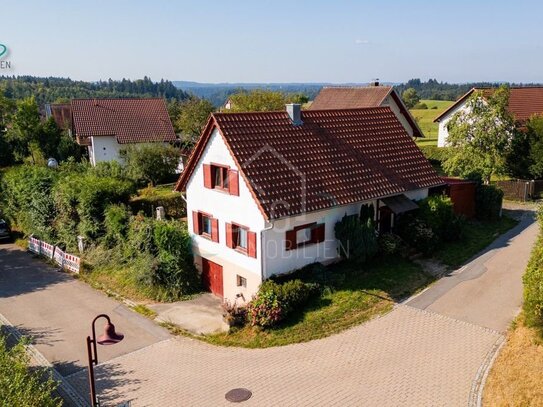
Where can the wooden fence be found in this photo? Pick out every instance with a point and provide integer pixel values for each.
(521, 189)
(64, 260)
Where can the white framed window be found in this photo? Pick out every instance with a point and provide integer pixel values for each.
(303, 235)
(206, 225)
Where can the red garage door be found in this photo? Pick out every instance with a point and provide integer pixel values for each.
(212, 277)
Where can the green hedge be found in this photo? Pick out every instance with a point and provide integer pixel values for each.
(488, 202)
(21, 385)
(533, 282)
(435, 154)
(276, 301)
(174, 205)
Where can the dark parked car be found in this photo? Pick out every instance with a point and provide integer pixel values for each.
(5, 232)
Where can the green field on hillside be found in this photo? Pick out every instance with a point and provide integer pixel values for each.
(425, 119)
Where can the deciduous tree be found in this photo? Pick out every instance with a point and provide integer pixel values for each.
(410, 97)
(480, 136)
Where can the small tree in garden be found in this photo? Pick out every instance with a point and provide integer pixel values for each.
(358, 242)
(410, 98)
(480, 136)
(150, 163)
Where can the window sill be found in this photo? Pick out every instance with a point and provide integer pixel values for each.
(241, 250)
(300, 245)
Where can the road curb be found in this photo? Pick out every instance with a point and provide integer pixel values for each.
(65, 389)
(478, 385)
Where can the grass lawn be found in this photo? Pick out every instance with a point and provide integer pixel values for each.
(359, 296)
(425, 119)
(478, 235)
(515, 378)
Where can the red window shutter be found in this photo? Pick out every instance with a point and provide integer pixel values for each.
(228, 229)
(290, 239)
(233, 182)
(196, 222)
(317, 233)
(215, 230)
(251, 244)
(207, 176)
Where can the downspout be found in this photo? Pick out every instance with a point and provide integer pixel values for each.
(262, 256)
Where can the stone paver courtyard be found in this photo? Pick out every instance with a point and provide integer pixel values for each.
(406, 358)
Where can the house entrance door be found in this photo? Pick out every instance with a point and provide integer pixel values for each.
(212, 277)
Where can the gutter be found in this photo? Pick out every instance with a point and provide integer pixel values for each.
(262, 256)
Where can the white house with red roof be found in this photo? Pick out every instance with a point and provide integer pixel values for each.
(105, 126)
(524, 102)
(265, 190)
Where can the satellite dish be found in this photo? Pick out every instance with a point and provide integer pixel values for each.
(52, 163)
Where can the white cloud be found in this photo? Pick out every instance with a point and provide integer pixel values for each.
(359, 41)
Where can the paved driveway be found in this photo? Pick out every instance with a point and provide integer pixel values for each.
(430, 351)
(57, 310)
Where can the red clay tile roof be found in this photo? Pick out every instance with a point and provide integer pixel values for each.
(61, 114)
(129, 120)
(335, 157)
(524, 102)
(360, 97)
(350, 97)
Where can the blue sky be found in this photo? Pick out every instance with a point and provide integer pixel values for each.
(276, 41)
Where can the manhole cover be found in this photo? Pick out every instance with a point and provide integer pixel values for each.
(238, 395)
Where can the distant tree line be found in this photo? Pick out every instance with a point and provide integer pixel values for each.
(434, 90)
(50, 90)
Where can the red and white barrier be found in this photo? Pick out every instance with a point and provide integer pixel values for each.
(59, 256)
(34, 245)
(65, 261)
(71, 262)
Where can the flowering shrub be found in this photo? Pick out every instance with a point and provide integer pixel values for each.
(264, 309)
(234, 314)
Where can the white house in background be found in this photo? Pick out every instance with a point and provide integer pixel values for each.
(265, 190)
(375, 95)
(105, 126)
(524, 102)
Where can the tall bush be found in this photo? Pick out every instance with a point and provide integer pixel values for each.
(358, 241)
(27, 201)
(488, 202)
(151, 163)
(437, 212)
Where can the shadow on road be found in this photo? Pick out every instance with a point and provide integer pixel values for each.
(112, 383)
(22, 273)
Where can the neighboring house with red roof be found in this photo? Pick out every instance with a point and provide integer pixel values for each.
(375, 95)
(524, 102)
(265, 190)
(61, 114)
(106, 125)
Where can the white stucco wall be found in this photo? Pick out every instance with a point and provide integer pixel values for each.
(104, 148)
(443, 132)
(278, 260)
(389, 101)
(240, 209)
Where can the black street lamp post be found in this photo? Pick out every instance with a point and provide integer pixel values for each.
(110, 337)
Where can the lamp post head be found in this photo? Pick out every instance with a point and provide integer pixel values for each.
(110, 337)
